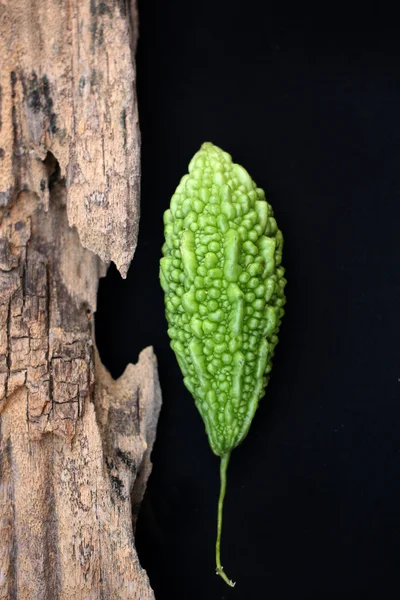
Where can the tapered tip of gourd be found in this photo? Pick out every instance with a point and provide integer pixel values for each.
(220, 571)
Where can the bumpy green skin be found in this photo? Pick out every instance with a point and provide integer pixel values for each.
(224, 291)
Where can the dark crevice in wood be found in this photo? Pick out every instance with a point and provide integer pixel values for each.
(53, 171)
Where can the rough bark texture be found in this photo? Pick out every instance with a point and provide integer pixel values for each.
(74, 443)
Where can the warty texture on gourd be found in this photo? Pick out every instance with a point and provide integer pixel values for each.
(224, 295)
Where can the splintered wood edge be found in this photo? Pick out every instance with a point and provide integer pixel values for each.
(68, 89)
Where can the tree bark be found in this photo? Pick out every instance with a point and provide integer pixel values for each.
(74, 443)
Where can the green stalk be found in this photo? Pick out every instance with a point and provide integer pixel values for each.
(223, 468)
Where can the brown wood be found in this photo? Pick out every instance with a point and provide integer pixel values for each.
(74, 443)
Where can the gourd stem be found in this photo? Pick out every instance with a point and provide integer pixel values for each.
(223, 468)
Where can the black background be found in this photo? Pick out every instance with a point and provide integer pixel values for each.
(309, 104)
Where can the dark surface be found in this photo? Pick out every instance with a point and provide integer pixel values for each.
(309, 103)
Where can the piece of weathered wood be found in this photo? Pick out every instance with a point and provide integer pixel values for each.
(74, 443)
(68, 87)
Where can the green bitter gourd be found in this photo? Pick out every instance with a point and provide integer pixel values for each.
(224, 295)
